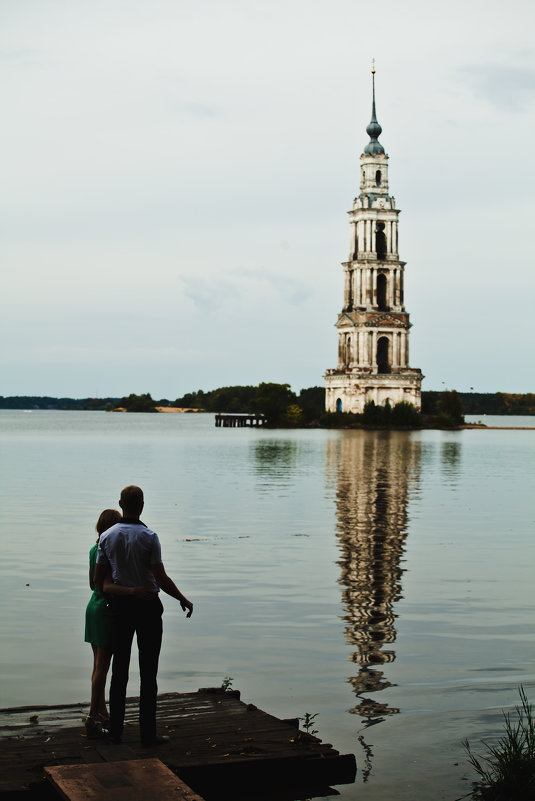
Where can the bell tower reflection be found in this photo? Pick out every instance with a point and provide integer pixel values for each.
(374, 470)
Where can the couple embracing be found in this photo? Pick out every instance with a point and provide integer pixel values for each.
(126, 574)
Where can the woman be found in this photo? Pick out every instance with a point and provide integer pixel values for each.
(98, 633)
(98, 629)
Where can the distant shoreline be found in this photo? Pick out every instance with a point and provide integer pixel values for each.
(500, 428)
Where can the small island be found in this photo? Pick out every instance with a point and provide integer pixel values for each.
(283, 408)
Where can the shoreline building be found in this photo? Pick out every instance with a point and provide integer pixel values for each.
(373, 326)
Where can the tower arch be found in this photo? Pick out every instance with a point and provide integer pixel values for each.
(383, 354)
(382, 292)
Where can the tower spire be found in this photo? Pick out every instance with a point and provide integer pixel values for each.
(373, 130)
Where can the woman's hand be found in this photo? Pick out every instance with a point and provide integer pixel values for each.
(144, 594)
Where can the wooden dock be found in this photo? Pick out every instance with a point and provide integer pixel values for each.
(220, 747)
(239, 420)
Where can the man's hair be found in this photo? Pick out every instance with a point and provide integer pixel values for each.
(131, 499)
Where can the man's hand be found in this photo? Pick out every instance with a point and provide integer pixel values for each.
(187, 606)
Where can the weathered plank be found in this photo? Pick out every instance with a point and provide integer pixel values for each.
(134, 780)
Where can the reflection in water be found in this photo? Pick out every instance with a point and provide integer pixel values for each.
(273, 458)
(450, 457)
(374, 470)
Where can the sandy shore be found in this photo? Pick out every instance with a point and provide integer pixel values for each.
(175, 409)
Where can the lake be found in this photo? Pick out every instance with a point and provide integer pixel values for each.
(380, 580)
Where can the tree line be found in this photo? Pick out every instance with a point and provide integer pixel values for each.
(283, 407)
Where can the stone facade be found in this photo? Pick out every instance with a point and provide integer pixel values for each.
(373, 326)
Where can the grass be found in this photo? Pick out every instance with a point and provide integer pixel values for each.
(507, 770)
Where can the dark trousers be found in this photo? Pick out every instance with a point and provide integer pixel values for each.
(144, 618)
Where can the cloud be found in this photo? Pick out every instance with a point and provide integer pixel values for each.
(507, 88)
(246, 289)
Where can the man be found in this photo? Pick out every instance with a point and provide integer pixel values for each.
(132, 553)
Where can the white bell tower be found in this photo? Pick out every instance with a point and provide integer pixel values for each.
(373, 326)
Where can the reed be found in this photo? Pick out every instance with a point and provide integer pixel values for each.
(507, 769)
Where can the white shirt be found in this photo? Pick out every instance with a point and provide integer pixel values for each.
(129, 548)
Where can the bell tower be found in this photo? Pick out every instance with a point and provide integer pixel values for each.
(373, 326)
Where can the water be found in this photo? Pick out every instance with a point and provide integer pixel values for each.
(380, 579)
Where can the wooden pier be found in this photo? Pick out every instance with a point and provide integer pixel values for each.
(239, 420)
(220, 747)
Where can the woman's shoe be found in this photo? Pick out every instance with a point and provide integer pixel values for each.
(93, 727)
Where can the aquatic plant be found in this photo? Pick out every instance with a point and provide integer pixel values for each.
(308, 722)
(507, 770)
(226, 684)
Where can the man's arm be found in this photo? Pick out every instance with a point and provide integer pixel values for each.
(168, 585)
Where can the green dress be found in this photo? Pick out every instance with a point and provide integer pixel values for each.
(97, 614)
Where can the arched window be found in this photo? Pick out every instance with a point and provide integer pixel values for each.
(339, 404)
(383, 363)
(378, 178)
(381, 292)
(380, 241)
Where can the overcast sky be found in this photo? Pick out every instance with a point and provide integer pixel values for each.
(176, 174)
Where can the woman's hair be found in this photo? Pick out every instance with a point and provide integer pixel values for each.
(107, 519)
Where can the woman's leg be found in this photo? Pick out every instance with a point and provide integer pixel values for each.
(101, 664)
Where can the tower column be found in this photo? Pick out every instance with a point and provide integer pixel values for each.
(346, 289)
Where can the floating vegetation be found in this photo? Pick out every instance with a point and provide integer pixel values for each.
(507, 770)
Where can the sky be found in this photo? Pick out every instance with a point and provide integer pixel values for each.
(176, 176)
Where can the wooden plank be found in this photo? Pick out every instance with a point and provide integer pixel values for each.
(134, 780)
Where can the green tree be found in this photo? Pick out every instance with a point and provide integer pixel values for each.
(405, 414)
(293, 415)
(450, 408)
(272, 401)
(138, 403)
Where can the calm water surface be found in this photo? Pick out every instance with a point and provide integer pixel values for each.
(383, 580)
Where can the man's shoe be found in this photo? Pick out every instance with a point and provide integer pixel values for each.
(158, 739)
(111, 738)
